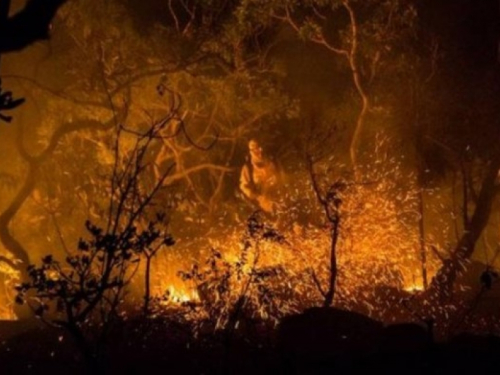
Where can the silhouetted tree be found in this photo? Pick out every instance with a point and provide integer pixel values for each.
(84, 293)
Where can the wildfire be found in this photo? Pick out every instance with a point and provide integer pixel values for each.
(9, 277)
(414, 288)
(378, 250)
(178, 296)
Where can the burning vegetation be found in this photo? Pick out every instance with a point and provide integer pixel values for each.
(232, 170)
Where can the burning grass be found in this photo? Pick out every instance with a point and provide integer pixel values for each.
(273, 274)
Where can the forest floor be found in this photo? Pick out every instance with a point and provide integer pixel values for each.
(318, 341)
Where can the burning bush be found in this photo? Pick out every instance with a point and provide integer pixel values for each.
(239, 285)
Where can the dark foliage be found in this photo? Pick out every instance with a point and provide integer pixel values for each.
(231, 292)
(7, 102)
(29, 25)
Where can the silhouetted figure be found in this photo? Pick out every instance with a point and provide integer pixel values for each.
(260, 179)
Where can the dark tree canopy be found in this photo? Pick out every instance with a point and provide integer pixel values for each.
(27, 26)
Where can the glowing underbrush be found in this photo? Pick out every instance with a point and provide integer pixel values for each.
(269, 276)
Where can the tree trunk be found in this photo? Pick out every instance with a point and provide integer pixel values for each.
(442, 283)
(147, 286)
(10, 243)
(354, 65)
(330, 294)
(415, 102)
(23, 312)
(421, 229)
